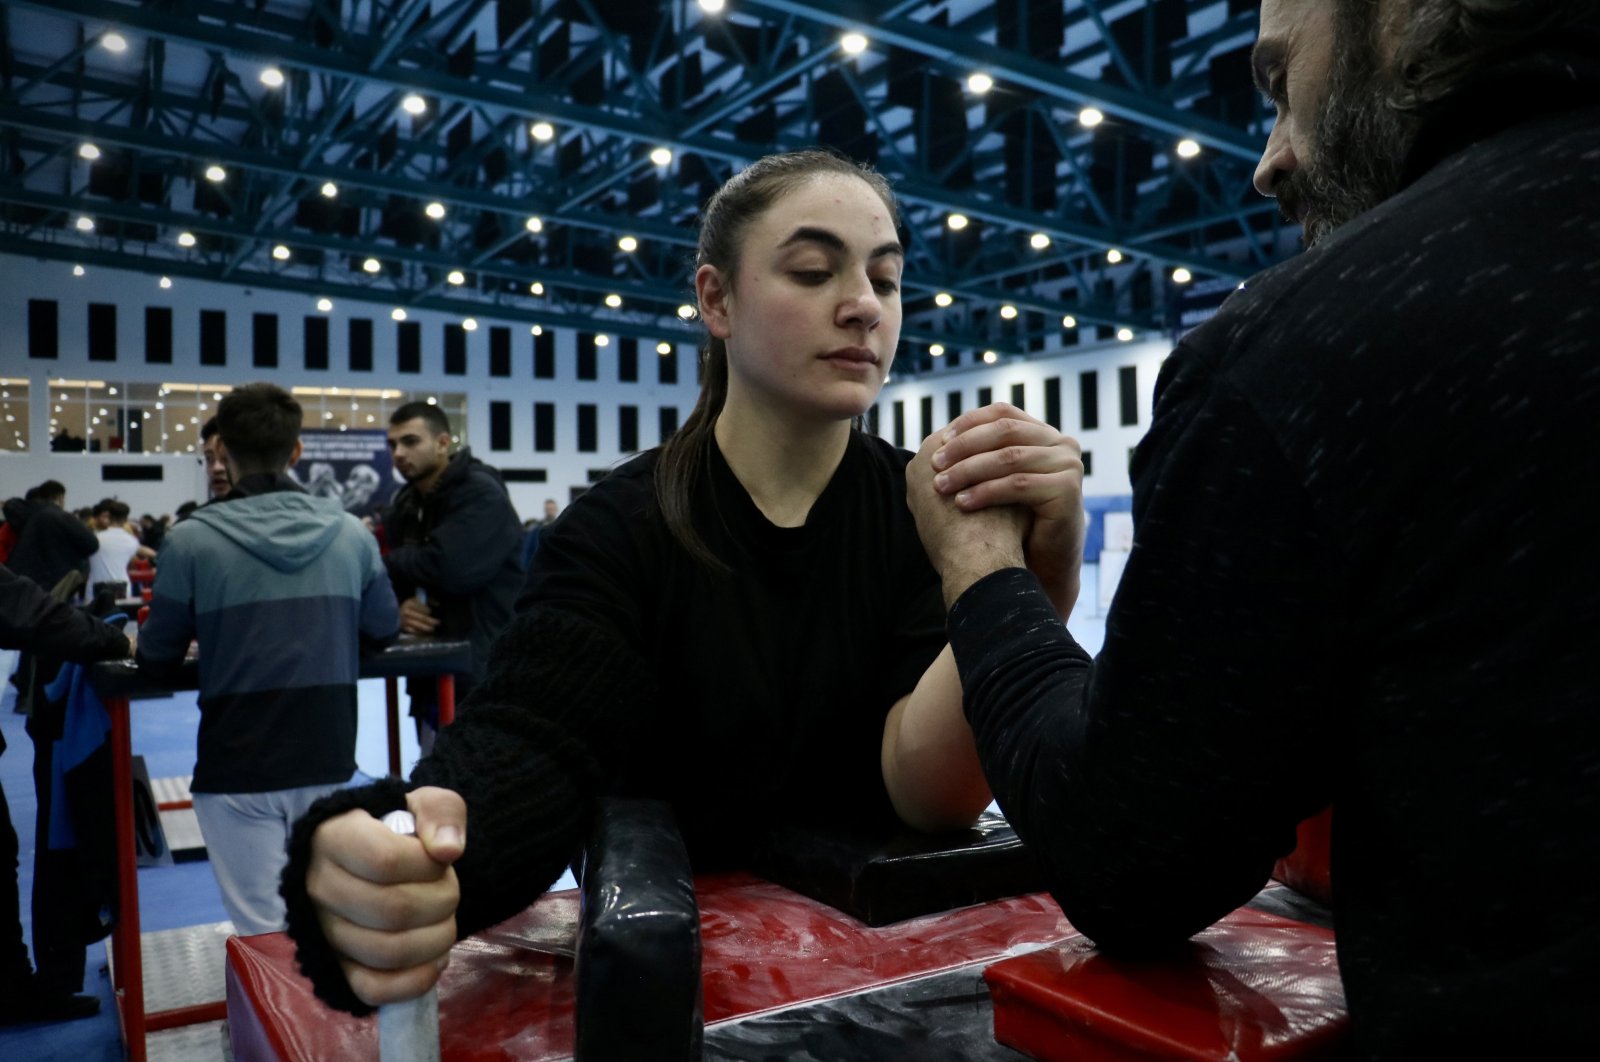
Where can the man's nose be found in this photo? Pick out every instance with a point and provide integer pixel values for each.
(1277, 161)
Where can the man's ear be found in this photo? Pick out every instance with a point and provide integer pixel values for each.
(294, 455)
(712, 292)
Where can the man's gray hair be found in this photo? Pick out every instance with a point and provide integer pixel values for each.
(1445, 41)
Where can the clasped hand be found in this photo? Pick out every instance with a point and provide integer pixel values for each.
(998, 488)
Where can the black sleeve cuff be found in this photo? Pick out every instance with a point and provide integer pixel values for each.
(315, 956)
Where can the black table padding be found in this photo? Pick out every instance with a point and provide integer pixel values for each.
(883, 877)
(638, 967)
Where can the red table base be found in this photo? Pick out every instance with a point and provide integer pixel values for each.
(508, 993)
(1252, 988)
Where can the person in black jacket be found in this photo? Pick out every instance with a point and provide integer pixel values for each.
(31, 621)
(1360, 576)
(454, 548)
(51, 542)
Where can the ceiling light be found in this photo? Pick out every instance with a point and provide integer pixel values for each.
(1039, 241)
(1113, 256)
(944, 298)
(215, 173)
(456, 276)
(712, 7)
(77, 270)
(114, 42)
(88, 151)
(534, 224)
(957, 222)
(1090, 117)
(980, 83)
(536, 288)
(329, 189)
(281, 253)
(469, 325)
(1009, 312)
(85, 223)
(371, 265)
(398, 313)
(1124, 334)
(537, 330)
(166, 282)
(414, 104)
(1188, 149)
(661, 156)
(663, 348)
(272, 77)
(629, 244)
(687, 312)
(853, 43)
(186, 239)
(1181, 275)
(542, 131)
(613, 301)
(937, 350)
(325, 304)
(1069, 321)
(990, 357)
(602, 341)
(434, 210)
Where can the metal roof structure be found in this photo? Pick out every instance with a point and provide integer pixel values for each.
(546, 159)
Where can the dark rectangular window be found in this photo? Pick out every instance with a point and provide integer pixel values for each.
(264, 340)
(360, 344)
(667, 365)
(316, 342)
(1128, 394)
(586, 357)
(588, 428)
(628, 364)
(499, 351)
(130, 473)
(500, 426)
(408, 346)
(1052, 402)
(525, 475)
(627, 428)
(1088, 462)
(1088, 401)
(985, 396)
(952, 406)
(872, 419)
(102, 331)
(899, 424)
(213, 337)
(544, 426)
(927, 415)
(544, 356)
(667, 422)
(158, 335)
(455, 350)
(43, 338)
(1019, 396)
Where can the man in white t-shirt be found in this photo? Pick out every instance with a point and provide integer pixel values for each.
(118, 546)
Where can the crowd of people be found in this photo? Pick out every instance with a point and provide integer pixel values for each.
(1355, 581)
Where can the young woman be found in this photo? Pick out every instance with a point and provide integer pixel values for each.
(742, 622)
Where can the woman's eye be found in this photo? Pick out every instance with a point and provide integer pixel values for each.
(811, 276)
(886, 286)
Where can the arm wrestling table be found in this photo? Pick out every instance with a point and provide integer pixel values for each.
(731, 966)
(119, 682)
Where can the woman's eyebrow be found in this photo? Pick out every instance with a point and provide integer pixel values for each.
(813, 234)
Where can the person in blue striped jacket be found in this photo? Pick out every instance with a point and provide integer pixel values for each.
(281, 590)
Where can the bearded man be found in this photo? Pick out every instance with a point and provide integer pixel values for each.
(1362, 575)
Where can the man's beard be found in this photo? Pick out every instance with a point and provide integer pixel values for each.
(1361, 140)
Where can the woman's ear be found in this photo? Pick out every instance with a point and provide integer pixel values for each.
(713, 295)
